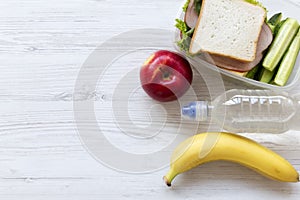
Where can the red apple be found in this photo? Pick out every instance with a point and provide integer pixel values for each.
(166, 76)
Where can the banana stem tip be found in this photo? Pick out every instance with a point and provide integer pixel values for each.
(167, 182)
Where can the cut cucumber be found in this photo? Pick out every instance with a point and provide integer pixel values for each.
(266, 75)
(274, 21)
(252, 72)
(277, 27)
(281, 43)
(288, 62)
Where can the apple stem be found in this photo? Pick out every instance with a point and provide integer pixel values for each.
(165, 73)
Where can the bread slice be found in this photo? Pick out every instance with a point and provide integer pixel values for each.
(228, 28)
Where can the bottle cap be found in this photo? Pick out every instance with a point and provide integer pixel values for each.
(197, 110)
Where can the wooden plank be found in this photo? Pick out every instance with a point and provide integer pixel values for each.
(42, 48)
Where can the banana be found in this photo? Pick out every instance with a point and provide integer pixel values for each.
(207, 147)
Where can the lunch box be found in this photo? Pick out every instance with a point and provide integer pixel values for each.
(288, 9)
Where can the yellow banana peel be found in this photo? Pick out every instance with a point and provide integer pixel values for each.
(208, 147)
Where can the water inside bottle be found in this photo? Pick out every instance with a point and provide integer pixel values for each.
(254, 111)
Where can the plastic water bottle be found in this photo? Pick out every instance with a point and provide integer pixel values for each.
(250, 111)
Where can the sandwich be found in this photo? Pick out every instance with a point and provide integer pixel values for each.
(232, 34)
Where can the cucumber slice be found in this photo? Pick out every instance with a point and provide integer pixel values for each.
(275, 19)
(274, 22)
(252, 72)
(288, 62)
(266, 75)
(281, 43)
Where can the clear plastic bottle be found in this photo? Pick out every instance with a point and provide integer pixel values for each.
(251, 111)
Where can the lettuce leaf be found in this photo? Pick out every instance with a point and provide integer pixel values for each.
(181, 25)
(197, 5)
(185, 42)
(257, 3)
(186, 35)
(186, 5)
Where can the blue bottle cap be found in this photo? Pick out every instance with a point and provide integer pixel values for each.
(189, 110)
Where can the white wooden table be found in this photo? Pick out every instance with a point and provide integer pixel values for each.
(43, 45)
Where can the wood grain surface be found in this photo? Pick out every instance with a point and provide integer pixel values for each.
(43, 46)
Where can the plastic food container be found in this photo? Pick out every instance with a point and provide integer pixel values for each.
(289, 9)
